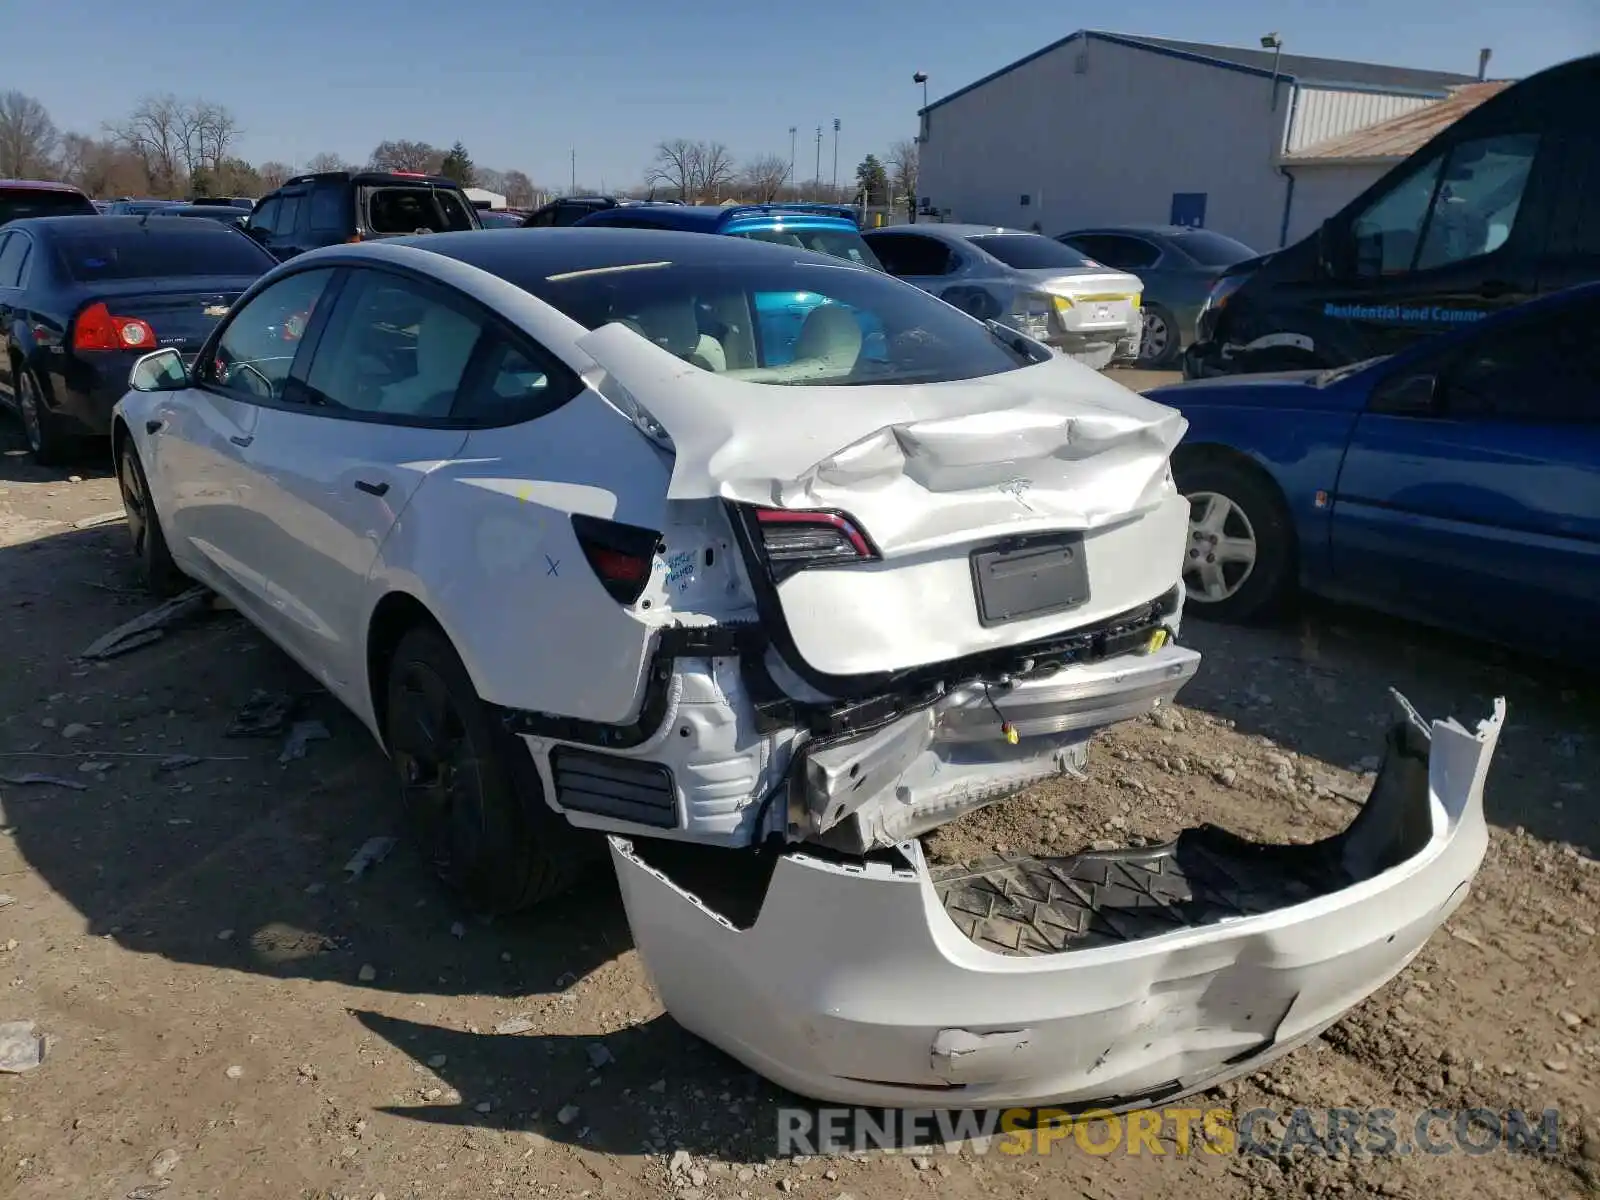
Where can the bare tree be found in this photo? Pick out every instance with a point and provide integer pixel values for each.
(489, 179)
(714, 170)
(215, 132)
(156, 132)
(675, 166)
(273, 174)
(519, 190)
(100, 167)
(28, 137)
(403, 155)
(765, 176)
(325, 161)
(903, 161)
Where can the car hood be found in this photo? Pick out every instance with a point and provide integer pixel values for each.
(1047, 446)
(1275, 389)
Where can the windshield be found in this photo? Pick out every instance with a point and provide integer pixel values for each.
(1030, 251)
(159, 249)
(500, 220)
(1212, 249)
(41, 202)
(783, 322)
(837, 243)
(405, 210)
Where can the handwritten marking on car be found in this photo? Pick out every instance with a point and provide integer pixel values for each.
(553, 565)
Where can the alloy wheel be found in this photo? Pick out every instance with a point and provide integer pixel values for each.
(1154, 338)
(441, 784)
(28, 405)
(134, 503)
(1222, 548)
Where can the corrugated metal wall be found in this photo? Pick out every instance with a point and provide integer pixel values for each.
(1323, 113)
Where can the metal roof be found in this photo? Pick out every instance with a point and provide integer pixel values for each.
(1399, 136)
(1293, 68)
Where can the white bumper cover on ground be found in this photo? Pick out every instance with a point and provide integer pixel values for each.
(852, 982)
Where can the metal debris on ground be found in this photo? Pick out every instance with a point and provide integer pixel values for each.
(177, 762)
(34, 777)
(105, 518)
(263, 715)
(373, 851)
(149, 1191)
(7, 901)
(150, 626)
(302, 734)
(162, 1164)
(21, 1048)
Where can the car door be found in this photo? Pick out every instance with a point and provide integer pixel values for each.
(1456, 238)
(1470, 489)
(336, 466)
(12, 252)
(292, 225)
(197, 436)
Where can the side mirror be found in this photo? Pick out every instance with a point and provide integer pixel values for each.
(159, 371)
(1415, 394)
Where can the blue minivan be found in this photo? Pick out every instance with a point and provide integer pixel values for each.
(802, 226)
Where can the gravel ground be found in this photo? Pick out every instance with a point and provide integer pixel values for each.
(230, 1015)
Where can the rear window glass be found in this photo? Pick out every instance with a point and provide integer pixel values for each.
(1213, 249)
(160, 249)
(405, 210)
(1030, 251)
(837, 243)
(777, 320)
(16, 203)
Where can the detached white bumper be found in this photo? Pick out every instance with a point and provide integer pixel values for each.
(1114, 979)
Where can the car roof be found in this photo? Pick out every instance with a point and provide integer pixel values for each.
(712, 218)
(395, 177)
(90, 223)
(39, 185)
(1165, 231)
(949, 232)
(556, 251)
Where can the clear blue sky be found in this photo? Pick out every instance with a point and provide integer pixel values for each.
(521, 82)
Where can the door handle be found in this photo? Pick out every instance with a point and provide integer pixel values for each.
(372, 489)
(154, 427)
(237, 440)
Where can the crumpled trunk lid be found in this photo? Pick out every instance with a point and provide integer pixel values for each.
(955, 484)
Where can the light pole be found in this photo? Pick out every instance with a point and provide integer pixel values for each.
(792, 131)
(834, 199)
(1274, 43)
(816, 186)
(922, 139)
(574, 190)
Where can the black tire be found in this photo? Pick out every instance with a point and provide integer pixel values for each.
(1257, 508)
(471, 793)
(157, 571)
(1171, 348)
(45, 442)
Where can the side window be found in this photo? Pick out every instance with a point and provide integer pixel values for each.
(257, 348)
(545, 216)
(1131, 253)
(571, 214)
(288, 221)
(908, 254)
(1478, 197)
(514, 383)
(1387, 233)
(1542, 369)
(454, 208)
(265, 215)
(394, 347)
(330, 211)
(13, 249)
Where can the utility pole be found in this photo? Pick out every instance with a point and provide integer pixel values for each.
(792, 131)
(816, 186)
(574, 190)
(835, 195)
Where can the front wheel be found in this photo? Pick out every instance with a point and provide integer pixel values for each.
(470, 791)
(1239, 558)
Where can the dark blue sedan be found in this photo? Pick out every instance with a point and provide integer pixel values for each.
(1456, 483)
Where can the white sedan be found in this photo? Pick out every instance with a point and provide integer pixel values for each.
(593, 542)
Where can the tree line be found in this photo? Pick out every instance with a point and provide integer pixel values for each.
(170, 147)
(705, 172)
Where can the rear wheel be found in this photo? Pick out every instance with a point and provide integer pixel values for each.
(1158, 340)
(47, 445)
(471, 793)
(1239, 560)
(156, 569)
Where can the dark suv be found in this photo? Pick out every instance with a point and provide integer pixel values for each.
(569, 210)
(37, 198)
(352, 206)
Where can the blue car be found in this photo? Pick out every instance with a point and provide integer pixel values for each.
(803, 226)
(1456, 483)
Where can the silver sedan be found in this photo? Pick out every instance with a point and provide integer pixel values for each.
(1047, 290)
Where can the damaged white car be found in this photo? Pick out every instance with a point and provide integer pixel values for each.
(587, 553)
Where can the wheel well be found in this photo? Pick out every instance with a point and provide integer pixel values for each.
(119, 435)
(1208, 454)
(396, 615)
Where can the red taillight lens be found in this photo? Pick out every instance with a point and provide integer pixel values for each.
(97, 328)
(620, 555)
(796, 539)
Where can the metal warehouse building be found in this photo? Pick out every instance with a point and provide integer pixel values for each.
(1107, 128)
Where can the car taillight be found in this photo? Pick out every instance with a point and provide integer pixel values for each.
(793, 539)
(97, 328)
(619, 555)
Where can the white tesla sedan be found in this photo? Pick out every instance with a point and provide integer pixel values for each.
(593, 540)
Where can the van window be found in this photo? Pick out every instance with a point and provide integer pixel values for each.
(1458, 205)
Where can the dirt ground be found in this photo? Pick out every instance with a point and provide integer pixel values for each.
(229, 1015)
